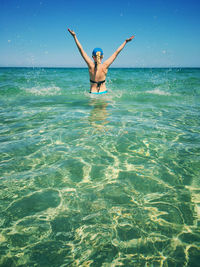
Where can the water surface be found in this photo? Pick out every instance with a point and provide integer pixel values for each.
(110, 180)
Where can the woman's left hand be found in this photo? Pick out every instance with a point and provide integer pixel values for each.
(129, 39)
(72, 32)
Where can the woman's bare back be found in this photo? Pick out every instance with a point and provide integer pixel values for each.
(97, 74)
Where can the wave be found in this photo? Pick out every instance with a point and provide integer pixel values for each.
(157, 91)
(44, 91)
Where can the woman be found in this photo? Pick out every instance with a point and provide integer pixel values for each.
(97, 70)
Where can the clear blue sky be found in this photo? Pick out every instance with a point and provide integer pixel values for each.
(34, 32)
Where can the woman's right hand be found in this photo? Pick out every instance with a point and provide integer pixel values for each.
(72, 32)
(129, 39)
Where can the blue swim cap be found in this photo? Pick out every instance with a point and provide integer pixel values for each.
(97, 50)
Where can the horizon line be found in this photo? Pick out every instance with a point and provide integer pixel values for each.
(73, 67)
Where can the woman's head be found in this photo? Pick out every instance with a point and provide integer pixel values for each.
(97, 55)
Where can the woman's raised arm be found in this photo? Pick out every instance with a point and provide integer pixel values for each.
(82, 52)
(110, 60)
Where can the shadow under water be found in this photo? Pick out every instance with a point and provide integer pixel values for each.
(99, 115)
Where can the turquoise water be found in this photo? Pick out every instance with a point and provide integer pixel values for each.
(110, 180)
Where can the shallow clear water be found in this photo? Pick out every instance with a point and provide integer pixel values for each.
(110, 180)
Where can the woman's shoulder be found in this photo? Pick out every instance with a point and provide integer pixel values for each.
(91, 66)
(104, 68)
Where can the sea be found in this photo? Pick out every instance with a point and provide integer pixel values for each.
(100, 180)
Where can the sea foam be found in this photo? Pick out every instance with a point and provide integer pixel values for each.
(157, 91)
(43, 91)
